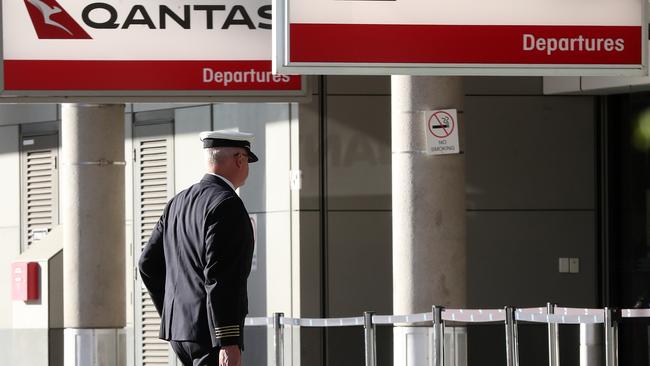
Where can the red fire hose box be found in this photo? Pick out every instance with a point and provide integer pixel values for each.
(25, 281)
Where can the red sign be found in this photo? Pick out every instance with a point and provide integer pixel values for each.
(471, 44)
(461, 37)
(145, 75)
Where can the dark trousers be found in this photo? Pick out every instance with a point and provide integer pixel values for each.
(196, 354)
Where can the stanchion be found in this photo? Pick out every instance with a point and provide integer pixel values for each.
(438, 338)
(278, 338)
(611, 337)
(370, 337)
(553, 338)
(515, 331)
(512, 344)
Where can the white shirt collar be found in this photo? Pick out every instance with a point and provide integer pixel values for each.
(225, 180)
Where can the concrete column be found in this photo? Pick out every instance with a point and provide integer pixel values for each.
(92, 209)
(429, 250)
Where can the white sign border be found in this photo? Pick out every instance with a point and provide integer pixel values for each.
(144, 96)
(282, 65)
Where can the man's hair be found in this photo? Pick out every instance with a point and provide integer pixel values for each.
(216, 155)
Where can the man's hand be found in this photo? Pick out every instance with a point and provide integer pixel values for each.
(230, 356)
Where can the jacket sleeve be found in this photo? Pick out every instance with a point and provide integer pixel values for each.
(225, 243)
(152, 265)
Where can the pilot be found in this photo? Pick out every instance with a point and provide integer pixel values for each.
(198, 258)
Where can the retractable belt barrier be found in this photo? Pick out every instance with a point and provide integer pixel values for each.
(551, 315)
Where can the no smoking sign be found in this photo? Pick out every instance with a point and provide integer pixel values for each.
(442, 131)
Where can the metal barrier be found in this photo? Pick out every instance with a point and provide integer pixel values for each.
(551, 315)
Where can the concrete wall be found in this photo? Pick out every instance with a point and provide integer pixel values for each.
(9, 215)
(13, 114)
(9, 229)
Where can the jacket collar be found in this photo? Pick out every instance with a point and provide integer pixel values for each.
(211, 178)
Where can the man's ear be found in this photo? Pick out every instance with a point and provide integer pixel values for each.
(239, 161)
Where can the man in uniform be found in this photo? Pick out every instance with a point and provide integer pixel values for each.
(198, 258)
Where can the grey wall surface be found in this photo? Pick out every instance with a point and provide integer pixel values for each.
(28, 347)
(531, 200)
(9, 216)
(359, 260)
(9, 230)
(19, 346)
(188, 151)
(355, 265)
(12, 114)
(307, 223)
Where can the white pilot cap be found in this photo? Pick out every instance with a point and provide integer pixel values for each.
(229, 138)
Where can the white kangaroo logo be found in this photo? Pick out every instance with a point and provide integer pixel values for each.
(47, 12)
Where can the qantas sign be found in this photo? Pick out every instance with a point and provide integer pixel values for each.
(205, 47)
(52, 21)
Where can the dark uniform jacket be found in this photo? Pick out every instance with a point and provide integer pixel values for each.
(197, 262)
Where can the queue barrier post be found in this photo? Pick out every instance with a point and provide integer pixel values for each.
(438, 339)
(611, 337)
(512, 344)
(553, 338)
(278, 338)
(370, 338)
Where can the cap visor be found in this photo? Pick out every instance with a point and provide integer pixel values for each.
(252, 157)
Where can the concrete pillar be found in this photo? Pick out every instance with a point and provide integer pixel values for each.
(92, 209)
(429, 250)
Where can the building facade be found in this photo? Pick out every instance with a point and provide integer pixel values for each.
(549, 178)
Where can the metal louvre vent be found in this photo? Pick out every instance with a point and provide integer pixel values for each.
(39, 186)
(152, 168)
(39, 194)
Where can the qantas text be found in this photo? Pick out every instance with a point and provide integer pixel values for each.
(105, 16)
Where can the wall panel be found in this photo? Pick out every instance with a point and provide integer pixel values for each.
(24, 113)
(188, 149)
(358, 153)
(530, 153)
(10, 166)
